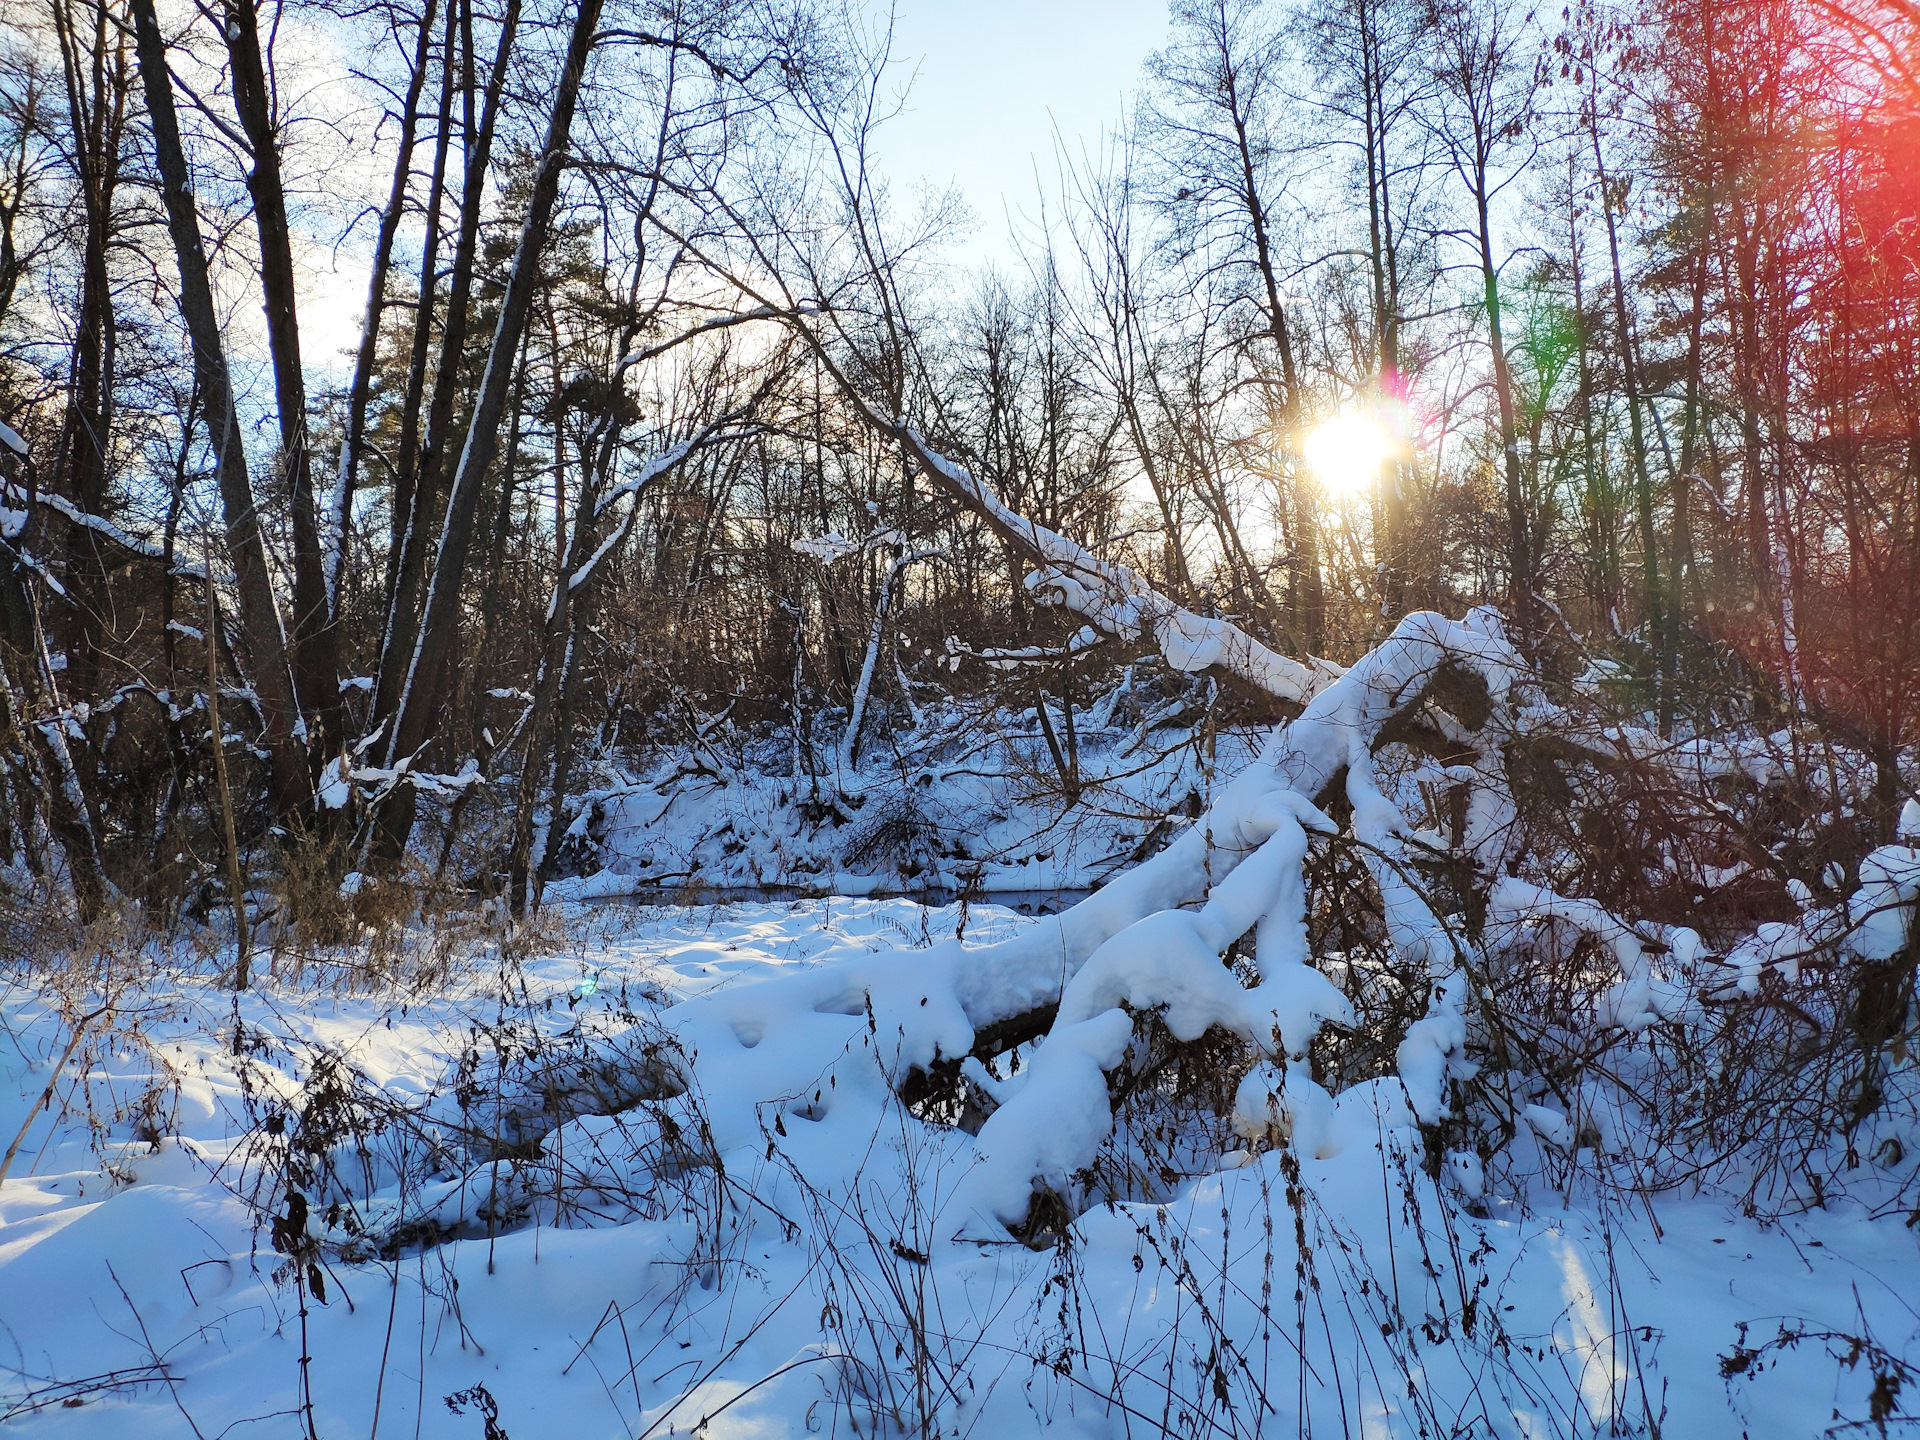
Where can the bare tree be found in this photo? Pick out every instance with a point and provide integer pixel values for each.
(422, 692)
(1483, 111)
(271, 676)
(1219, 124)
(339, 515)
(1367, 56)
(311, 644)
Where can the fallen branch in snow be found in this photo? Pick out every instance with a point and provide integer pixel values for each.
(919, 1016)
(1081, 641)
(1114, 598)
(53, 1080)
(70, 1394)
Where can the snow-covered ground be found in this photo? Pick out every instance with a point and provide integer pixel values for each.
(814, 1279)
(964, 802)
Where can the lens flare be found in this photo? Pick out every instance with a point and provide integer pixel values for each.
(1347, 450)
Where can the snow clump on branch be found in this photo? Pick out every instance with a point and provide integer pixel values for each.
(1131, 946)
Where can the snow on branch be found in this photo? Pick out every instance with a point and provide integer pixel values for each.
(1115, 598)
(654, 467)
(34, 563)
(862, 1024)
(13, 523)
(1881, 913)
(1641, 998)
(1084, 639)
(1170, 960)
(828, 548)
(833, 547)
(102, 526)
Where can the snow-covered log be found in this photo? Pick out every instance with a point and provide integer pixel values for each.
(1170, 960)
(868, 1024)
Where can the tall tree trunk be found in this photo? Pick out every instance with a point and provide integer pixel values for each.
(1381, 252)
(230, 840)
(1306, 510)
(429, 488)
(1598, 512)
(1519, 545)
(340, 509)
(420, 696)
(1654, 598)
(565, 702)
(490, 599)
(259, 610)
(1746, 347)
(313, 647)
(1691, 426)
(406, 466)
(557, 678)
(95, 78)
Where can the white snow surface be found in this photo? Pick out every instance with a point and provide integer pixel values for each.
(123, 1245)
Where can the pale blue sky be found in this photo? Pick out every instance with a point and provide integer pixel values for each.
(995, 78)
(990, 81)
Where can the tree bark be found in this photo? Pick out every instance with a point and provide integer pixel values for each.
(259, 609)
(313, 648)
(236, 885)
(420, 696)
(94, 72)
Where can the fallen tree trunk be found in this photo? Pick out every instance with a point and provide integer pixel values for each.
(925, 1017)
(1114, 598)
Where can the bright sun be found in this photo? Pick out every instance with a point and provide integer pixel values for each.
(1347, 450)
